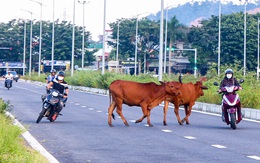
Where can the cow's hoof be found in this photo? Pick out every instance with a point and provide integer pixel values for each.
(180, 123)
(164, 123)
(187, 122)
(137, 121)
(111, 125)
(126, 124)
(150, 125)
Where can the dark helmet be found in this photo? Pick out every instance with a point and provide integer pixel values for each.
(61, 73)
(53, 70)
(229, 71)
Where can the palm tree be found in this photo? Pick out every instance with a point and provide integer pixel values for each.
(175, 32)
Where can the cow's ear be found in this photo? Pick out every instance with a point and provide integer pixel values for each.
(203, 87)
(203, 79)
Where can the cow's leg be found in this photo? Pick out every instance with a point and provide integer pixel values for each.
(144, 109)
(111, 108)
(119, 112)
(165, 110)
(176, 111)
(188, 109)
(148, 118)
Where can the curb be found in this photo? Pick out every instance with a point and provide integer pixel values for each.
(32, 141)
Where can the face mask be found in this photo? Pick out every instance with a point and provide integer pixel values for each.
(60, 77)
(229, 76)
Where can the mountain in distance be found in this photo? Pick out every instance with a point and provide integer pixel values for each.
(190, 14)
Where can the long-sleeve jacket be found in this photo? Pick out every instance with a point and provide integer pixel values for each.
(228, 82)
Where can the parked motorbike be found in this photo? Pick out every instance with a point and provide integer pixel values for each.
(50, 105)
(8, 83)
(230, 104)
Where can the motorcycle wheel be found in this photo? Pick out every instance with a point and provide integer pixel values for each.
(41, 115)
(233, 121)
(50, 117)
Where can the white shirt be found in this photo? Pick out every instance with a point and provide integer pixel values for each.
(7, 76)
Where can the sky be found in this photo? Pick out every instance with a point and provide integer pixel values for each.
(94, 11)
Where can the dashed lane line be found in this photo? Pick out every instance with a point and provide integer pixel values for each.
(189, 137)
(254, 157)
(167, 130)
(218, 146)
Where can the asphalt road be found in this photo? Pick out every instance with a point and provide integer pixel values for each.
(82, 134)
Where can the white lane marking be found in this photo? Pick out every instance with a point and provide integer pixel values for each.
(254, 157)
(32, 141)
(83, 106)
(218, 146)
(90, 108)
(214, 114)
(76, 103)
(167, 130)
(190, 137)
(132, 121)
(99, 111)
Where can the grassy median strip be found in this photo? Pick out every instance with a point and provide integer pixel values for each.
(13, 147)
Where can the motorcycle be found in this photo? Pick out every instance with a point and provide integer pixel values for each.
(50, 105)
(8, 83)
(230, 104)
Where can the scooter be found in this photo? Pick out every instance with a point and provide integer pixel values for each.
(50, 105)
(230, 104)
(8, 83)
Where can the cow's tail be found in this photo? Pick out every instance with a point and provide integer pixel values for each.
(110, 99)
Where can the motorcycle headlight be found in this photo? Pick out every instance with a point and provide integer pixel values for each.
(55, 94)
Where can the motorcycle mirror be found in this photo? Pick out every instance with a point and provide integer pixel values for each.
(241, 81)
(215, 83)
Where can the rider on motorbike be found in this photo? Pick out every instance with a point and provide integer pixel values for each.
(51, 76)
(10, 77)
(229, 80)
(59, 84)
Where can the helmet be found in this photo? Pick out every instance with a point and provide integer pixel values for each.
(53, 70)
(61, 73)
(229, 71)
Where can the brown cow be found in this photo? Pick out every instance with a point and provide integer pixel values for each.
(189, 92)
(145, 95)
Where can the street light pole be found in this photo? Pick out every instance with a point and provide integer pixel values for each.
(257, 49)
(30, 57)
(219, 35)
(161, 43)
(73, 41)
(165, 40)
(104, 39)
(136, 34)
(245, 39)
(24, 47)
(83, 33)
(117, 43)
(52, 45)
(40, 44)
